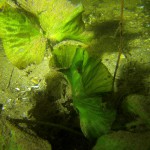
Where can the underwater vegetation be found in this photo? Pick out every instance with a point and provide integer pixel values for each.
(21, 32)
(30, 29)
(88, 78)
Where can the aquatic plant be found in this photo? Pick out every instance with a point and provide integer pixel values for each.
(60, 20)
(24, 39)
(24, 34)
(88, 78)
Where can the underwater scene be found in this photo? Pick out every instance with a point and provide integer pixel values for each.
(74, 74)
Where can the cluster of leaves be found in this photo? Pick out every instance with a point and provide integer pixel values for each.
(88, 78)
(25, 27)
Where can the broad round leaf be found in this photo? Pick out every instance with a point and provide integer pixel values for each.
(23, 40)
(59, 19)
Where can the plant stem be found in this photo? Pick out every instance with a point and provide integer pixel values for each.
(121, 42)
(17, 121)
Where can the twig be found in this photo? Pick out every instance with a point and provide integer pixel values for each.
(17, 121)
(10, 78)
(121, 42)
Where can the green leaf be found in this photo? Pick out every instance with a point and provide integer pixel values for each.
(66, 54)
(59, 19)
(95, 118)
(71, 58)
(67, 57)
(23, 40)
(95, 76)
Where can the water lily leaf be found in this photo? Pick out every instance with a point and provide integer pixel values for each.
(67, 53)
(95, 76)
(95, 118)
(67, 57)
(64, 54)
(72, 59)
(23, 41)
(59, 19)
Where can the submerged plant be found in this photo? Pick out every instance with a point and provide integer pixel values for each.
(24, 39)
(24, 29)
(88, 78)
